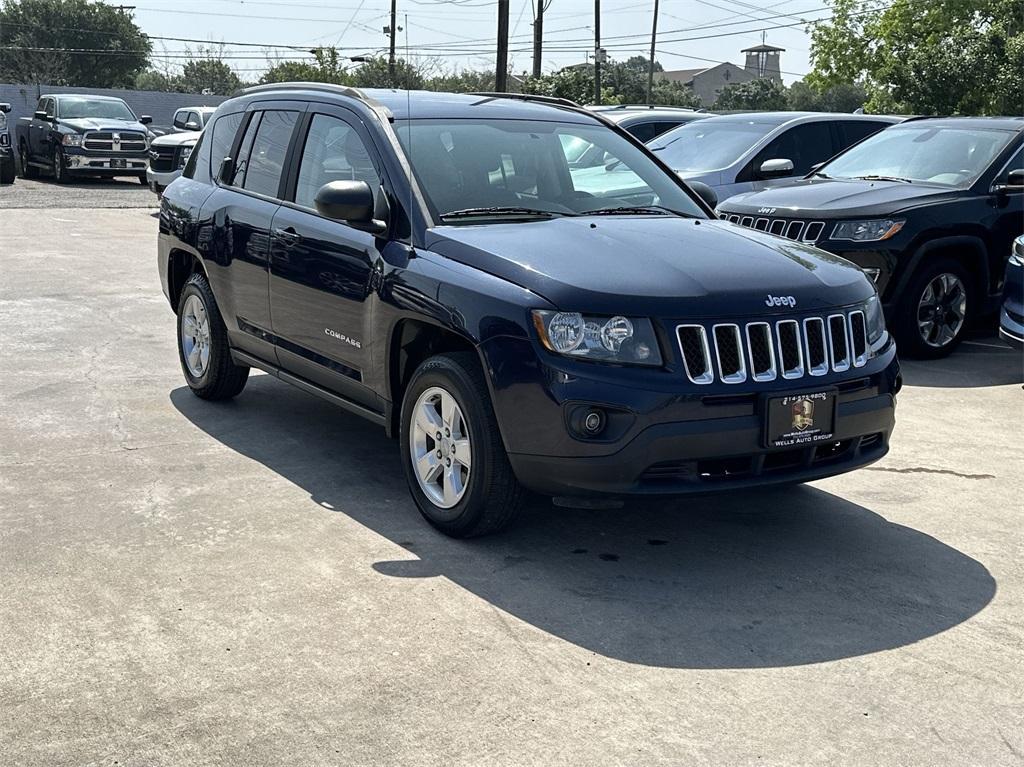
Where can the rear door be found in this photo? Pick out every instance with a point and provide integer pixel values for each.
(806, 145)
(322, 271)
(242, 211)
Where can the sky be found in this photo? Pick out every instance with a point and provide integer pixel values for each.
(451, 35)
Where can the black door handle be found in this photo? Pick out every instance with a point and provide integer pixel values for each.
(289, 235)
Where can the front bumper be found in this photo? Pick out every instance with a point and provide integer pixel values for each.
(82, 163)
(675, 442)
(159, 181)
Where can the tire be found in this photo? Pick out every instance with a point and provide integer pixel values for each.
(27, 170)
(204, 354)
(491, 496)
(7, 172)
(60, 173)
(938, 337)
(142, 179)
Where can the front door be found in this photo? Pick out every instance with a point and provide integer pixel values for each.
(321, 271)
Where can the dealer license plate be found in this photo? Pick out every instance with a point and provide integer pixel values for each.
(117, 164)
(800, 419)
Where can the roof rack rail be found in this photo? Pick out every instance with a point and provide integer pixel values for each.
(667, 107)
(338, 90)
(553, 100)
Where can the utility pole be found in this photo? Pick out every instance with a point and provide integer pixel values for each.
(650, 64)
(393, 29)
(538, 37)
(597, 52)
(501, 68)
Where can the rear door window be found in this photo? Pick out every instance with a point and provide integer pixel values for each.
(852, 131)
(265, 159)
(805, 145)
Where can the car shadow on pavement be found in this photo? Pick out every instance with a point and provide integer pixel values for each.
(749, 580)
(981, 360)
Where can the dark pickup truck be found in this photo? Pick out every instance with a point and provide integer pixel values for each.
(77, 135)
(6, 152)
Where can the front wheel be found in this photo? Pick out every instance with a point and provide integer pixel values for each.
(27, 169)
(936, 310)
(203, 344)
(60, 173)
(454, 460)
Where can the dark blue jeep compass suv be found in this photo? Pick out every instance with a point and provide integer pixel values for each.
(433, 263)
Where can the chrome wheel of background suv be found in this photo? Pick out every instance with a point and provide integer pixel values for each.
(942, 309)
(439, 447)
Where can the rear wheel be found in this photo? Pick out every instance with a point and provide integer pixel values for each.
(203, 344)
(936, 310)
(27, 170)
(454, 460)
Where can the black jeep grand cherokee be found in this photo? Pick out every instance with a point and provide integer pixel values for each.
(430, 262)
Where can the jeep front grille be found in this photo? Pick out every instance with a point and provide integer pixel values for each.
(802, 231)
(128, 141)
(763, 351)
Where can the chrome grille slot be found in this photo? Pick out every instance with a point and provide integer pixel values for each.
(128, 141)
(813, 231)
(791, 358)
(729, 353)
(791, 229)
(746, 221)
(838, 343)
(734, 219)
(693, 342)
(778, 226)
(858, 338)
(817, 351)
(762, 355)
(761, 224)
(794, 229)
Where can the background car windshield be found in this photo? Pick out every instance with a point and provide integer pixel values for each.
(464, 164)
(708, 144)
(938, 155)
(73, 109)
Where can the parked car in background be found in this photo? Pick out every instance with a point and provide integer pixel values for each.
(6, 148)
(167, 156)
(928, 209)
(425, 260)
(1011, 316)
(191, 119)
(648, 122)
(746, 152)
(73, 135)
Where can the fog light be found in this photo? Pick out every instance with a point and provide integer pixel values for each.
(593, 423)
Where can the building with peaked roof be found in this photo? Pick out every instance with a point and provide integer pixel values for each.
(707, 82)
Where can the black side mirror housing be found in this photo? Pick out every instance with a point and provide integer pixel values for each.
(40, 115)
(5, 107)
(226, 170)
(145, 119)
(705, 192)
(350, 202)
(1015, 177)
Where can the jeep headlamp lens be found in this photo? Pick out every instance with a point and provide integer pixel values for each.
(874, 319)
(867, 231)
(71, 139)
(625, 340)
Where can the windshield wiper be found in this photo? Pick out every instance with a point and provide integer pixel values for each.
(501, 211)
(818, 174)
(884, 178)
(627, 210)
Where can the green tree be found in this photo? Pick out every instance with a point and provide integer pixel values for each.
(109, 48)
(154, 80)
(209, 74)
(374, 73)
(761, 94)
(841, 97)
(622, 82)
(326, 67)
(464, 81)
(939, 57)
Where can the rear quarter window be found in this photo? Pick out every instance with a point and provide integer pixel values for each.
(222, 138)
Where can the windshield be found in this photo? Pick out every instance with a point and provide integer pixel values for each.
(708, 144)
(532, 165)
(73, 109)
(919, 152)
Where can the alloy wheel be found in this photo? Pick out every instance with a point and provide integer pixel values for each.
(440, 448)
(942, 310)
(195, 336)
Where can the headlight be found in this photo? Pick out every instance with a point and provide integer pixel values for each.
(1017, 255)
(3, 122)
(186, 152)
(71, 139)
(625, 340)
(875, 319)
(867, 231)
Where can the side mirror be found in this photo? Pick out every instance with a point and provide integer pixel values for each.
(705, 192)
(1015, 177)
(5, 107)
(193, 125)
(226, 170)
(776, 168)
(350, 202)
(145, 119)
(40, 115)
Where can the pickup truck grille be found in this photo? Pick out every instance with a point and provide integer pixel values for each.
(763, 351)
(115, 141)
(793, 229)
(163, 159)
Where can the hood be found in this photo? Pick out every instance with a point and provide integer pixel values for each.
(177, 139)
(837, 198)
(84, 124)
(654, 265)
